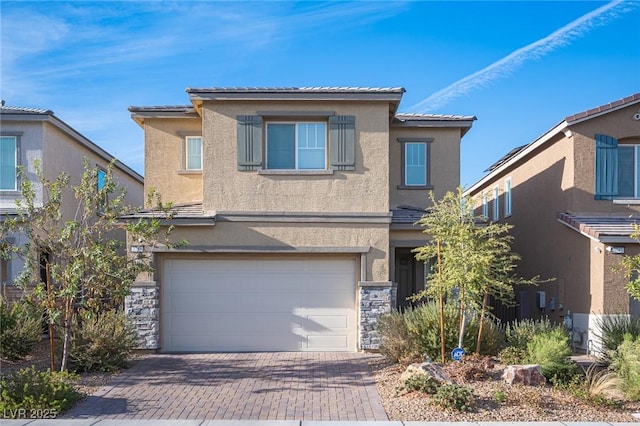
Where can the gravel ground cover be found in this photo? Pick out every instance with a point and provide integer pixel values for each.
(495, 401)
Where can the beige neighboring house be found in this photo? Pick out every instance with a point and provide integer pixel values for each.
(572, 195)
(298, 205)
(28, 135)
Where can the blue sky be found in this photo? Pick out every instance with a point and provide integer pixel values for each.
(520, 67)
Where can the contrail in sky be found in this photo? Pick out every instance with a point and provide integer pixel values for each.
(509, 63)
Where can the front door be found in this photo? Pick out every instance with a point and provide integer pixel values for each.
(409, 276)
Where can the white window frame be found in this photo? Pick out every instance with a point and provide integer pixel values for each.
(507, 197)
(485, 205)
(296, 146)
(496, 202)
(16, 153)
(186, 153)
(407, 145)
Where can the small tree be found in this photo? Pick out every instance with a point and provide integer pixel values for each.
(473, 261)
(86, 265)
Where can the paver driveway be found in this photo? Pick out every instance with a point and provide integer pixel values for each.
(240, 386)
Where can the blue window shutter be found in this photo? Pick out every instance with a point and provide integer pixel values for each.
(249, 142)
(342, 142)
(606, 167)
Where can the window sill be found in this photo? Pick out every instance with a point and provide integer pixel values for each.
(295, 172)
(421, 187)
(189, 172)
(627, 201)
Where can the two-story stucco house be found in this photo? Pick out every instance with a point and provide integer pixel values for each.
(572, 196)
(28, 135)
(298, 205)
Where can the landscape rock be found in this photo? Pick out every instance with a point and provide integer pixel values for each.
(426, 369)
(530, 375)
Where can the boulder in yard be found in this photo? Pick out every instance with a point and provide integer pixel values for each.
(530, 375)
(426, 369)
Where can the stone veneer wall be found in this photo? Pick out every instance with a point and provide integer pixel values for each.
(142, 306)
(375, 298)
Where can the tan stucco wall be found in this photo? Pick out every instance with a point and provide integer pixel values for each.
(444, 164)
(164, 160)
(281, 237)
(364, 190)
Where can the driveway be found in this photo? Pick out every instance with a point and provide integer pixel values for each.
(240, 386)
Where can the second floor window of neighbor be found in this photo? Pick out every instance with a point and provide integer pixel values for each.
(8, 163)
(415, 168)
(297, 146)
(194, 152)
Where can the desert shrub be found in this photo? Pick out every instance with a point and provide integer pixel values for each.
(20, 329)
(519, 333)
(29, 389)
(612, 329)
(512, 355)
(423, 326)
(395, 341)
(422, 383)
(454, 397)
(551, 350)
(102, 342)
(625, 360)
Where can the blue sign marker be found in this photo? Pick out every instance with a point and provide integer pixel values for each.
(457, 354)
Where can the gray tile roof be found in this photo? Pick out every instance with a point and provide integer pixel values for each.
(603, 228)
(433, 117)
(6, 109)
(317, 89)
(163, 108)
(179, 211)
(406, 215)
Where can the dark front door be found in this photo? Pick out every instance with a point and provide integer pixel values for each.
(409, 276)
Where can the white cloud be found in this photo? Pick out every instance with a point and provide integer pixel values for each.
(505, 66)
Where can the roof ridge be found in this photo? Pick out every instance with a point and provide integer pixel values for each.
(8, 108)
(603, 108)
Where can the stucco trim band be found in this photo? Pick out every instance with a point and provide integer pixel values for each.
(266, 249)
(302, 217)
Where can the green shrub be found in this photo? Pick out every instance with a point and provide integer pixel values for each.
(103, 342)
(551, 350)
(395, 341)
(28, 389)
(423, 326)
(455, 397)
(512, 355)
(519, 333)
(422, 383)
(613, 328)
(20, 329)
(625, 360)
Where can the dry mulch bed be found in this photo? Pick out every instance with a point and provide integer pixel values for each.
(518, 402)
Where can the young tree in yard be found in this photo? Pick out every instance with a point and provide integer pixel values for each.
(87, 268)
(631, 267)
(473, 261)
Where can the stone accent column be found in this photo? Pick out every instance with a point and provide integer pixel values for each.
(142, 306)
(375, 299)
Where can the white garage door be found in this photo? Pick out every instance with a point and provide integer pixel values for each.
(258, 305)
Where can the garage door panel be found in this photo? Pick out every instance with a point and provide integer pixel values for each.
(258, 305)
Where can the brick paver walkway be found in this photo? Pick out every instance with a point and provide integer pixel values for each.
(244, 386)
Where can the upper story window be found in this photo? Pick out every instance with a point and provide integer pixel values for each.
(496, 202)
(507, 197)
(297, 146)
(617, 169)
(193, 153)
(101, 179)
(416, 157)
(485, 205)
(8, 163)
(317, 143)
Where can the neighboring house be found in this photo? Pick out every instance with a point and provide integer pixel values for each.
(28, 135)
(298, 205)
(572, 195)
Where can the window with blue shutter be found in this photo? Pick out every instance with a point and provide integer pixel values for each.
(606, 167)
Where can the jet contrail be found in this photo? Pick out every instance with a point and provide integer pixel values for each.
(509, 63)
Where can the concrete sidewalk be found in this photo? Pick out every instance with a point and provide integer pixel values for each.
(112, 422)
